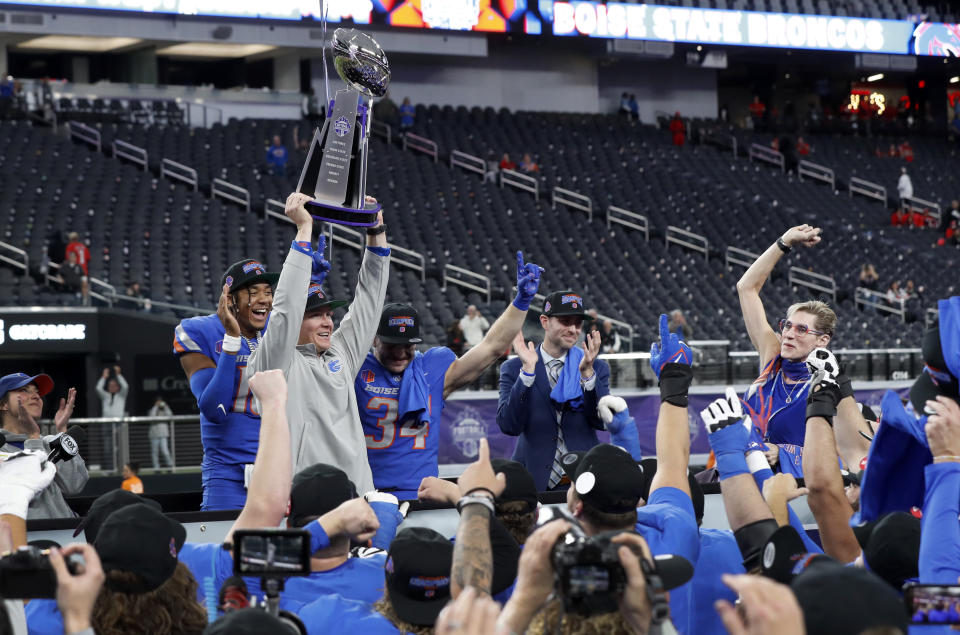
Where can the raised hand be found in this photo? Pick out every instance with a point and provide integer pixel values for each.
(943, 428)
(296, 211)
(28, 425)
(609, 407)
(528, 282)
(269, 386)
(785, 485)
(65, 410)
(728, 431)
(527, 353)
(438, 490)
(227, 312)
(767, 607)
(824, 395)
(77, 594)
(805, 235)
(671, 350)
(591, 348)
(480, 475)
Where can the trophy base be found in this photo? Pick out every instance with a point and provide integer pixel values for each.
(328, 213)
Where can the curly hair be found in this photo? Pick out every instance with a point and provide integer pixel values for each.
(385, 608)
(515, 517)
(170, 609)
(552, 619)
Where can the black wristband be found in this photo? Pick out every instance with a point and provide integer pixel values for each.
(783, 246)
(823, 402)
(846, 386)
(379, 229)
(675, 381)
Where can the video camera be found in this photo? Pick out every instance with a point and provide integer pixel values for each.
(27, 573)
(273, 555)
(588, 575)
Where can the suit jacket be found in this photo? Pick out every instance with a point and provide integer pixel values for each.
(529, 413)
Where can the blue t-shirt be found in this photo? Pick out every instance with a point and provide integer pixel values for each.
(234, 441)
(401, 453)
(277, 156)
(357, 579)
(766, 400)
(719, 554)
(43, 617)
(333, 614)
(668, 524)
(407, 112)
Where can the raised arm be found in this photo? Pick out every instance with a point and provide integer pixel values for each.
(216, 399)
(940, 535)
(498, 338)
(821, 469)
(513, 407)
(851, 445)
(764, 339)
(671, 361)
(272, 476)
(101, 391)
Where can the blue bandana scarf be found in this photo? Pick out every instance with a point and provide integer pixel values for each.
(414, 395)
(568, 389)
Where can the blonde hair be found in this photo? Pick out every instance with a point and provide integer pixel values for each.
(385, 608)
(552, 619)
(824, 317)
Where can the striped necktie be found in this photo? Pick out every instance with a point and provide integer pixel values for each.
(556, 470)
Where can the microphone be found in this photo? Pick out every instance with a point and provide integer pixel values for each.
(66, 445)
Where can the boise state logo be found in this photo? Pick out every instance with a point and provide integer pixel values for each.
(341, 127)
(467, 430)
(335, 366)
(938, 39)
(253, 266)
(316, 290)
(229, 281)
(546, 307)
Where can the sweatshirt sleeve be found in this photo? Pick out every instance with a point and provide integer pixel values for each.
(279, 345)
(940, 532)
(355, 335)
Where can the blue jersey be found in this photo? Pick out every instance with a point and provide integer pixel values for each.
(235, 440)
(401, 453)
(357, 579)
(719, 554)
(333, 614)
(778, 408)
(668, 524)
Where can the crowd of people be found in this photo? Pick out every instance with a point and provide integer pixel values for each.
(328, 430)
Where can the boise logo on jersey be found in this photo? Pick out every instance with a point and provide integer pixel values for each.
(367, 376)
(575, 299)
(335, 366)
(253, 266)
(341, 127)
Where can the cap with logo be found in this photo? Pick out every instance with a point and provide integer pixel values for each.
(560, 303)
(399, 324)
(417, 574)
(317, 490)
(318, 299)
(606, 477)
(105, 505)
(140, 540)
(19, 380)
(520, 484)
(247, 272)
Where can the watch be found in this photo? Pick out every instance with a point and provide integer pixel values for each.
(379, 229)
(784, 247)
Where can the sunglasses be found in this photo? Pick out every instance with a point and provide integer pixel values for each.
(802, 329)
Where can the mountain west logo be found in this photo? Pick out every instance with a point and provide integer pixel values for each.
(341, 127)
(467, 429)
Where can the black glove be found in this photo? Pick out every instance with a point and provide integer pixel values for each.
(824, 396)
(846, 387)
(674, 383)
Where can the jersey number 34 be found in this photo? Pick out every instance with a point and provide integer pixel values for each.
(387, 422)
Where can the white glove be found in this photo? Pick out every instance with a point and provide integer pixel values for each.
(610, 405)
(384, 497)
(724, 411)
(823, 367)
(22, 477)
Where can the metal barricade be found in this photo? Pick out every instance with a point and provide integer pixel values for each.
(817, 171)
(179, 172)
(878, 301)
(571, 199)
(741, 257)
(466, 279)
(230, 192)
(520, 181)
(14, 256)
(421, 144)
(83, 133)
(410, 259)
(816, 281)
(767, 155)
(383, 130)
(629, 219)
(468, 162)
(689, 240)
(868, 188)
(928, 208)
(130, 152)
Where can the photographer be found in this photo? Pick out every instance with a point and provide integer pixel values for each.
(21, 405)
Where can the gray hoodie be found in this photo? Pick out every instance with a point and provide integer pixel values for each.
(322, 404)
(70, 479)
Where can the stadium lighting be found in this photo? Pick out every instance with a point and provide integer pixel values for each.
(84, 43)
(954, 80)
(213, 49)
(874, 78)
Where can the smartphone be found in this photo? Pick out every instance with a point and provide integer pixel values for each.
(272, 553)
(933, 603)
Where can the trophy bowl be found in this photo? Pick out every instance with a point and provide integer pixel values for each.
(360, 62)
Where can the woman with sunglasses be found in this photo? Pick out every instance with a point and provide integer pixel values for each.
(777, 400)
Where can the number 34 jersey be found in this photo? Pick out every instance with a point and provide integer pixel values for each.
(401, 453)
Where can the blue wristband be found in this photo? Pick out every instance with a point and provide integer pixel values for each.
(318, 536)
(731, 464)
(380, 251)
(302, 246)
(528, 374)
(522, 303)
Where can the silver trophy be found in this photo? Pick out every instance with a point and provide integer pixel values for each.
(335, 173)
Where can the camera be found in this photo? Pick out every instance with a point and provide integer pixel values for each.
(932, 603)
(589, 576)
(27, 574)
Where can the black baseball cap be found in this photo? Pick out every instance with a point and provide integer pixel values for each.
(785, 556)
(417, 574)
(564, 303)
(246, 272)
(936, 378)
(399, 324)
(318, 299)
(520, 483)
(317, 490)
(105, 505)
(607, 477)
(891, 546)
(248, 621)
(649, 468)
(140, 540)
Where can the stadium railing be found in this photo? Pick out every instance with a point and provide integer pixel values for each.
(628, 219)
(877, 300)
(468, 162)
(868, 188)
(521, 182)
(421, 144)
(571, 199)
(815, 281)
(768, 155)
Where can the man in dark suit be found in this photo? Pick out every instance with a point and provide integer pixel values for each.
(549, 393)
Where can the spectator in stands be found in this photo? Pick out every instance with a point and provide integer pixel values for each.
(112, 389)
(131, 478)
(900, 217)
(277, 157)
(609, 338)
(905, 151)
(134, 293)
(506, 163)
(678, 129)
(678, 324)
(385, 110)
(803, 148)
(407, 114)
(473, 325)
(895, 295)
(455, 338)
(160, 433)
(560, 414)
(904, 186)
(528, 165)
(912, 291)
(493, 167)
(74, 280)
(634, 107)
(21, 406)
(757, 111)
(868, 276)
(625, 105)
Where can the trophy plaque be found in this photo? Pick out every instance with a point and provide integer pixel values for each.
(335, 172)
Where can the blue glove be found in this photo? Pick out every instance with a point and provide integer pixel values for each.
(528, 281)
(321, 266)
(388, 512)
(671, 350)
(728, 433)
(622, 427)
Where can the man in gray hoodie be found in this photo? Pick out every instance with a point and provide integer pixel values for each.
(320, 363)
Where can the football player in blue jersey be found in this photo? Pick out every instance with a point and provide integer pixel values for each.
(401, 392)
(213, 350)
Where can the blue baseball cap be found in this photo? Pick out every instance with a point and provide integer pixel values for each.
(19, 380)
